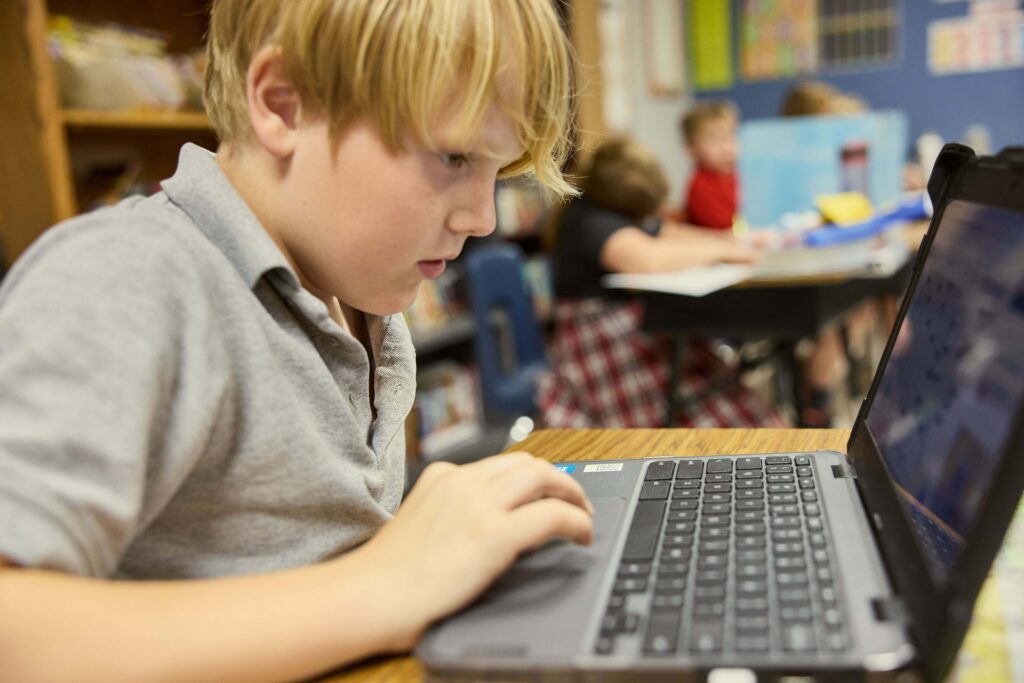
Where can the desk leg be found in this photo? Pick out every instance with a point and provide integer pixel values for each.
(794, 369)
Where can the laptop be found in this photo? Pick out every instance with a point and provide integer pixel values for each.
(818, 566)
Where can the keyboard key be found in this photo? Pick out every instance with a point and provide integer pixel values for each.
(812, 510)
(667, 601)
(716, 509)
(605, 645)
(806, 483)
(798, 638)
(781, 488)
(716, 547)
(632, 584)
(718, 488)
(749, 474)
(644, 530)
(752, 587)
(802, 460)
(706, 636)
(780, 478)
(674, 585)
(716, 520)
(709, 592)
(748, 463)
(803, 472)
(720, 465)
(718, 478)
(689, 483)
(680, 527)
(752, 623)
(749, 516)
(677, 541)
(747, 542)
(705, 577)
(809, 496)
(752, 643)
(662, 469)
(748, 494)
(778, 469)
(713, 610)
(634, 569)
(751, 605)
(747, 571)
(749, 529)
(685, 493)
(616, 602)
(673, 569)
(662, 632)
(655, 490)
(749, 484)
(689, 504)
(778, 460)
(723, 497)
(682, 515)
(690, 469)
(751, 556)
(782, 498)
(796, 613)
(813, 523)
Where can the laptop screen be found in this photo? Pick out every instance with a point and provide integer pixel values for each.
(946, 404)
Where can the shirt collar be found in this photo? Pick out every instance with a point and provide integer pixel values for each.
(200, 189)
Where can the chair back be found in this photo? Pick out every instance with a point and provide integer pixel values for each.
(509, 348)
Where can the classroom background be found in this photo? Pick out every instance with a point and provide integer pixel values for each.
(100, 96)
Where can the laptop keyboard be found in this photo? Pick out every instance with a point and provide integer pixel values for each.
(726, 555)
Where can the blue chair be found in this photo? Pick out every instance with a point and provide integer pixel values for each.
(509, 348)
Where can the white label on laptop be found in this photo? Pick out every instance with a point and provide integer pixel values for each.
(604, 467)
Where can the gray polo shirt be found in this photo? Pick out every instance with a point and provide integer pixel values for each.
(174, 404)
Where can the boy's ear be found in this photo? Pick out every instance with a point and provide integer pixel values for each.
(274, 103)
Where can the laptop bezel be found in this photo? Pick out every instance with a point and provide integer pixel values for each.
(939, 615)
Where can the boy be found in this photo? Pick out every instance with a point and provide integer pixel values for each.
(224, 398)
(709, 129)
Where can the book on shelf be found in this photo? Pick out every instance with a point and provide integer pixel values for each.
(447, 408)
(437, 303)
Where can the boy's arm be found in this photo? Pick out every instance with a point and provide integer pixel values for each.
(631, 250)
(459, 528)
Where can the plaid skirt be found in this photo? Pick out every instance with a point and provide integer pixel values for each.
(607, 372)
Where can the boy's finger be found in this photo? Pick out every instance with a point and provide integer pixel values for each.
(535, 480)
(536, 523)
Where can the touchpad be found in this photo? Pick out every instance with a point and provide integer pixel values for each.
(541, 605)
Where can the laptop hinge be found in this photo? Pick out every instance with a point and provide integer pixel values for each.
(888, 609)
(843, 471)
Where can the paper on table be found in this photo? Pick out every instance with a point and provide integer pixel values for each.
(690, 282)
(869, 258)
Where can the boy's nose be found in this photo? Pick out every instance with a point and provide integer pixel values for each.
(476, 217)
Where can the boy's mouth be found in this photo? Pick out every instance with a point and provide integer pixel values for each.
(432, 269)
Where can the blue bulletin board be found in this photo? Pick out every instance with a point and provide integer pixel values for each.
(944, 103)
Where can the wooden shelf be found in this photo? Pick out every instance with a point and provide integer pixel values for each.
(141, 120)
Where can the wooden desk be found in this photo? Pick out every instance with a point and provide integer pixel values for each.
(604, 444)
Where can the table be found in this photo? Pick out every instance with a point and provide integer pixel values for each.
(612, 444)
(781, 310)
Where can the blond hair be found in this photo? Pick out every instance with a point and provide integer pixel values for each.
(400, 62)
(705, 112)
(812, 98)
(626, 177)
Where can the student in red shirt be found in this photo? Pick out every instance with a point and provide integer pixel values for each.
(712, 199)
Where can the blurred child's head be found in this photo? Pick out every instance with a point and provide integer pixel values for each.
(402, 64)
(709, 129)
(626, 177)
(815, 98)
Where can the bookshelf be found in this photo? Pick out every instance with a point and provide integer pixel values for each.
(47, 149)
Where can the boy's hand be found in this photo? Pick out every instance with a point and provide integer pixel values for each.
(462, 526)
(735, 251)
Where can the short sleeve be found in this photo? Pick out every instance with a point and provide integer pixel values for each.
(584, 230)
(91, 332)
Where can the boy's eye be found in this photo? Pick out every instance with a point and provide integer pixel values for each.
(454, 159)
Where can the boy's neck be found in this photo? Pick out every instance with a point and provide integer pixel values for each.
(250, 174)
